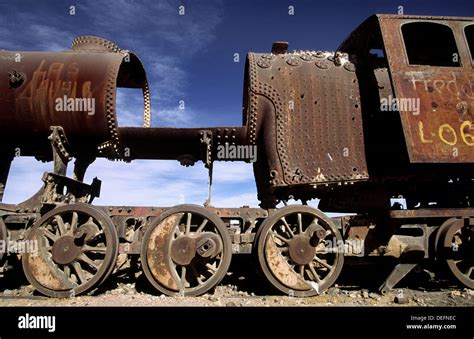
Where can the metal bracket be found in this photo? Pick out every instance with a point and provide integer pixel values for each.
(77, 191)
(80, 166)
(206, 144)
(409, 259)
(60, 146)
(398, 273)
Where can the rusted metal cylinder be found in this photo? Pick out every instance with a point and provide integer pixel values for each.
(74, 89)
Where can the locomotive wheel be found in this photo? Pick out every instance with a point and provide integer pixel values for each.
(455, 246)
(186, 251)
(77, 247)
(298, 251)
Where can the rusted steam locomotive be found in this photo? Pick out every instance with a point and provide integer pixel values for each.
(388, 115)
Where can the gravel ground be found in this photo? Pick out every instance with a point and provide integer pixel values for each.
(122, 293)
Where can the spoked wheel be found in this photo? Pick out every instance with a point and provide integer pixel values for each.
(455, 246)
(77, 249)
(298, 251)
(186, 250)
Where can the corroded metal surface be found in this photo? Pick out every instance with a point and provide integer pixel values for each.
(86, 76)
(186, 250)
(455, 243)
(304, 108)
(431, 213)
(158, 254)
(280, 268)
(316, 122)
(442, 130)
(77, 250)
(299, 250)
(43, 269)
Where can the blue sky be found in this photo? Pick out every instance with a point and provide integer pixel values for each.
(188, 58)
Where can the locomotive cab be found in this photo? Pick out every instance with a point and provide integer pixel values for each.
(416, 83)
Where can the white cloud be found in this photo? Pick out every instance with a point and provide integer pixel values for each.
(145, 182)
(129, 107)
(170, 80)
(239, 200)
(49, 38)
(24, 179)
(157, 21)
(175, 117)
(165, 42)
(232, 172)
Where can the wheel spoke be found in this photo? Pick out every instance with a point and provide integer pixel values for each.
(469, 272)
(211, 268)
(301, 270)
(293, 253)
(75, 217)
(93, 226)
(82, 257)
(200, 273)
(78, 270)
(201, 227)
(320, 261)
(300, 223)
(61, 226)
(188, 223)
(313, 271)
(183, 276)
(78, 243)
(50, 235)
(288, 228)
(276, 235)
(322, 251)
(87, 248)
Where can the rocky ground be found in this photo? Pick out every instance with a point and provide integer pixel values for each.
(360, 289)
(126, 294)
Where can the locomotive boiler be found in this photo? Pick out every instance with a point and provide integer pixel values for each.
(386, 116)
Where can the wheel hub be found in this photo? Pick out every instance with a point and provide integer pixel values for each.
(183, 250)
(209, 245)
(300, 250)
(65, 250)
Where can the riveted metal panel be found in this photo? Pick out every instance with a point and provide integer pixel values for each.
(318, 123)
